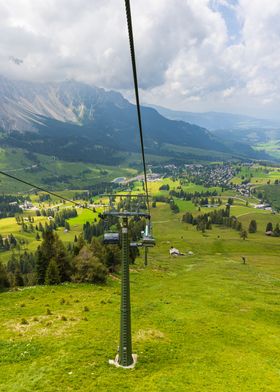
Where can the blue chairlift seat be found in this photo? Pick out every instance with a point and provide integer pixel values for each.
(111, 238)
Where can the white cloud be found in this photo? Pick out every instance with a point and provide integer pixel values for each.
(185, 55)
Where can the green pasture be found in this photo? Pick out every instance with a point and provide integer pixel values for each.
(257, 174)
(272, 147)
(272, 193)
(9, 225)
(203, 322)
(62, 174)
(176, 185)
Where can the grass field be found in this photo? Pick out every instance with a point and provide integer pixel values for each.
(200, 323)
(173, 185)
(257, 174)
(63, 174)
(272, 147)
(9, 225)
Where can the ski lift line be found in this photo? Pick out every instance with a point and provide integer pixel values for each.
(43, 190)
(134, 69)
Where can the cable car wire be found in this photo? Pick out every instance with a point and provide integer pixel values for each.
(44, 190)
(134, 69)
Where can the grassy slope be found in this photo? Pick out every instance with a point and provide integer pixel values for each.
(260, 174)
(245, 214)
(9, 225)
(272, 148)
(80, 175)
(200, 323)
(272, 193)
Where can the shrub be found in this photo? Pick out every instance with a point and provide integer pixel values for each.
(88, 268)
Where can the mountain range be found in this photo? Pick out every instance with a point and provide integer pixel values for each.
(79, 122)
(232, 127)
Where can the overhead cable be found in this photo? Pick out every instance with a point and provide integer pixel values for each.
(134, 70)
(43, 190)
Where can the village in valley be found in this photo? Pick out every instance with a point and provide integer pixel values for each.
(200, 188)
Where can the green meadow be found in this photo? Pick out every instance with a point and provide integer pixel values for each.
(272, 147)
(200, 322)
(257, 174)
(52, 173)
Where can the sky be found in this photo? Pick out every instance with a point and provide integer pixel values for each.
(192, 55)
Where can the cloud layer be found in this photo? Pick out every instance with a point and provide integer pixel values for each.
(192, 54)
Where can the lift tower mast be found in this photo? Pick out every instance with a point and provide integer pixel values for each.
(125, 350)
(125, 358)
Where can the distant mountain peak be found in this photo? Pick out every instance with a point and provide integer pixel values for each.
(68, 101)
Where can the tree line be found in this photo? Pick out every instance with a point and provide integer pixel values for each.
(9, 206)
(85, 260)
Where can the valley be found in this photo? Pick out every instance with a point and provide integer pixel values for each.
(205, 312)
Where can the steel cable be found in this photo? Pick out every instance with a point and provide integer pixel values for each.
(134, 70)
(43, 190)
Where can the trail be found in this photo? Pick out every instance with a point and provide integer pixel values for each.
(246, 213)
(166, 221)
(21, 168)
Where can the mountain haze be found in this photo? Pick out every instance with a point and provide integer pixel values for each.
(218, 120)
(228, 126)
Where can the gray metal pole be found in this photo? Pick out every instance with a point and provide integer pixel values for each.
(125, 351)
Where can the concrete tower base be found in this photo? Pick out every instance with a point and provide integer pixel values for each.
(115, 362)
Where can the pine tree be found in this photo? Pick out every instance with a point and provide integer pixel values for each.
(98, 250)
(63, 260)
(45, 252)
(113, 256)
(252, 226)
(276, 231)
(18, 278)
(52, 273)
(78, 245)
(1, 243)
(4, 281)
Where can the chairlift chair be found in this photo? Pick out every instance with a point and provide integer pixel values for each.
(134, 244)
(111, 238)
(147, 238)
